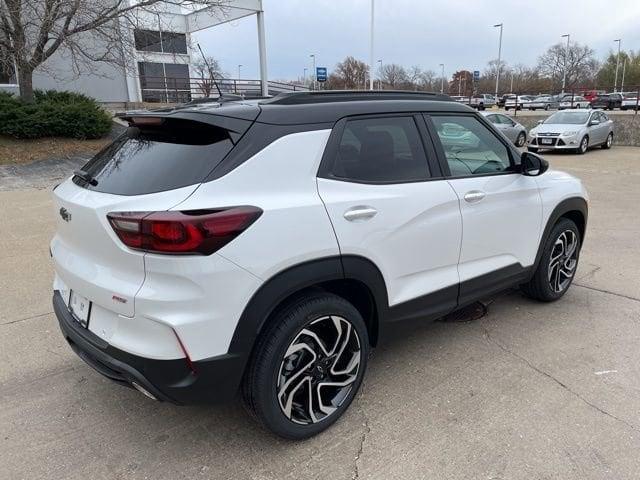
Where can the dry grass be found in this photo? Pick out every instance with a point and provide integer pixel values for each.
(14, 150)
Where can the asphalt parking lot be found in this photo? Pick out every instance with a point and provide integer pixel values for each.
(530, 391)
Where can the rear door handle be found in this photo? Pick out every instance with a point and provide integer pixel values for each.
(474, 196)
(360, 214)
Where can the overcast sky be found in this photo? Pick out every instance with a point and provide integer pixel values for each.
(458, 33)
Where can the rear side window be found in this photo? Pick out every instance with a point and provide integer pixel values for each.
(381, 150)
(154, 158)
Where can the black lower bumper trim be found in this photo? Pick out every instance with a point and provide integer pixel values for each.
(215, 379)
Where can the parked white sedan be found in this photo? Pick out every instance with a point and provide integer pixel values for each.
(574, 102)
(575, 130)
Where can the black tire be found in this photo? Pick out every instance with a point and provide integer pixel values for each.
(533, 149)
(506, 109)
(546, 107)
(541, 286)
(521, 140)
(607, 144)
(584, 146)
(265, 370)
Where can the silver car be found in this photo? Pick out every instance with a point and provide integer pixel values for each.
(509, 127)
(575, 130)
(544, 102)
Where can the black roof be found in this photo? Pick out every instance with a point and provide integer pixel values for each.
(315, 107)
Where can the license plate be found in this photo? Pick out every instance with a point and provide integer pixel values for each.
(80, 307)
(547, 141)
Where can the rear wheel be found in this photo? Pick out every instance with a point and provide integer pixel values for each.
(558, 264)
(546, 107)
(308, 366)
(606, 145)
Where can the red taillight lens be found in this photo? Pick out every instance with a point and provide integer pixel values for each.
(192, 232)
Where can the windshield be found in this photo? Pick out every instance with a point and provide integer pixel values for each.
(572, 118)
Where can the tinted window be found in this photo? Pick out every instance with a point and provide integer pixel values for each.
(147, 40)
(177, 75)
(7, 74)
(174, 42)
(151, 75)
(386, 150)
(470, 147)
(150, 159)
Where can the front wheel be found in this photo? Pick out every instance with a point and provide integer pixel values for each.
(307, 366)
(584, 145)
(522, 138)
(558, 264)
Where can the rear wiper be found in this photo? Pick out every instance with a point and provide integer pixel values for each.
(86, 177)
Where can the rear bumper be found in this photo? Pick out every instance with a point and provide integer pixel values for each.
(215, 379)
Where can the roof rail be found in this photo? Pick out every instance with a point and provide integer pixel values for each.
(329, 96)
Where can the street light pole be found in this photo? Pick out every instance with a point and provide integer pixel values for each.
(566, 59)
(314, 72)
(371, 48)
(615, 82)
(442, 79)
(499, 57)
(380, 76)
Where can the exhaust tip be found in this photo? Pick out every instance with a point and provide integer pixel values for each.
(143, 390)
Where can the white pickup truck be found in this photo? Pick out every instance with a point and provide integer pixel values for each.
(482, 101)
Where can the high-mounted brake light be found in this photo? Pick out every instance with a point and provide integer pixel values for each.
(146, 120)
(193, 232)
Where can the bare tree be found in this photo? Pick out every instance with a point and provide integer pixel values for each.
(352, 73)
(207, 70)
(580, 63)
(31, 31)
(394, 75)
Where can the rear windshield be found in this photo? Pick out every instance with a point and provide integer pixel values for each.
(155, 158)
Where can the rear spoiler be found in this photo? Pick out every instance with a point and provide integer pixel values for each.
(235, 126)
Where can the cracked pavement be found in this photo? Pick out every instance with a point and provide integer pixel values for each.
(529, 391)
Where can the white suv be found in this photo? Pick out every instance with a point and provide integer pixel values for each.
(264, 247)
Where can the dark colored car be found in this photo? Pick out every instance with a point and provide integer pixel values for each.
(608, 101)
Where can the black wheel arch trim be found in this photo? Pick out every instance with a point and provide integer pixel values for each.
(563, 209)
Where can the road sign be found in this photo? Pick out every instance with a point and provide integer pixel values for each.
(321, 74)
(476, 75)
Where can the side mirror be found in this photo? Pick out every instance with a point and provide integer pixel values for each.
(540, 122)
(533, 164)
(594, 122)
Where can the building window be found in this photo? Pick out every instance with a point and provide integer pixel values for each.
(161, 42)
(164, 82)
(7, 74)
(147, 41)
(174, 42)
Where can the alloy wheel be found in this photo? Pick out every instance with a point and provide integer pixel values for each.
(563, 261)
(318, 370)
(584, 144)
(609, 140)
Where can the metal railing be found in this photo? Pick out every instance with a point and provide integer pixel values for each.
(180, 90)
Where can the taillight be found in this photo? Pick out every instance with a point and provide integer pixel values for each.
(190, 232)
